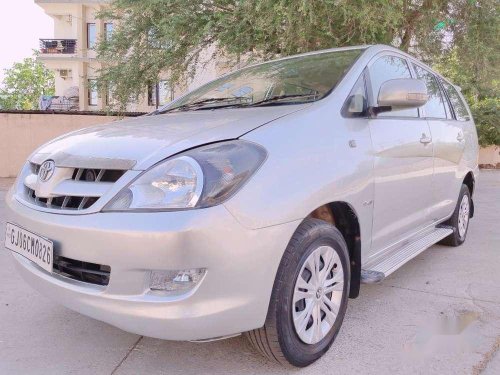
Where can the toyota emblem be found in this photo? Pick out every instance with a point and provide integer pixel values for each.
(46, 170)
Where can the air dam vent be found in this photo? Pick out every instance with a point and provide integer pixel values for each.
(91, 273)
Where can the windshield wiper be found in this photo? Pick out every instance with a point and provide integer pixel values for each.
(236, 101)
(201, 103)
(278, 98)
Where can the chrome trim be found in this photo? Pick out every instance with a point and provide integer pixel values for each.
(64, 160)
(81, 188)
(67, 191)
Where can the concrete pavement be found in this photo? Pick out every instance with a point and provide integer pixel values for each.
(439, 314)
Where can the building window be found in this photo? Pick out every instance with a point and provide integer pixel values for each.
(108, 30)
(109, 96)
(159, 94)
(92, 92)
(91, 35)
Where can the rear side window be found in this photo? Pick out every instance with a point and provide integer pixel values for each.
(435, 105)
(459, 106)
(385, 69)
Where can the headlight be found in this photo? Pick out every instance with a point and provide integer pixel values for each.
(198, 178)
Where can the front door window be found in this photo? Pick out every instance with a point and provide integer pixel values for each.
(385, 69)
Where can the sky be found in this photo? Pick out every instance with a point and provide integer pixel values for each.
(22, 24)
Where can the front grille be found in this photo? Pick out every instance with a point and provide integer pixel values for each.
(97, 175)
(82, 271)
(65, 202)
(73, 202)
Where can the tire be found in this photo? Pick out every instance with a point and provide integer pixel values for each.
(456, 221)
(278, 339)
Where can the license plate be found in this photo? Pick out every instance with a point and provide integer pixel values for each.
(30, 245)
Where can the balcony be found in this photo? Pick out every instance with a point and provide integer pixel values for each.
(58, 46)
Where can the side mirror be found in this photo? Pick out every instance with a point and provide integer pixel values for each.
(401, 93)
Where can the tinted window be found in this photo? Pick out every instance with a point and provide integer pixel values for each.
(385, 69)
(356, 103)
(435, 105)
(459, 107)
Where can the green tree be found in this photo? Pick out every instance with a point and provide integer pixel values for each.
(472, 64)
(486, 114)
(152, 37)
(24, 83)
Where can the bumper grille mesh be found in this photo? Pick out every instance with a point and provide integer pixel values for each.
(82, 271)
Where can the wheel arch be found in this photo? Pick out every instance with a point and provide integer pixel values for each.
(343, 216)
(470, 182)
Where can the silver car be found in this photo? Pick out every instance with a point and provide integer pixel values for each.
(255, 204)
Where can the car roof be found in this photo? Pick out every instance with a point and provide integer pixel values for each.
(371, 50)
(375, 49)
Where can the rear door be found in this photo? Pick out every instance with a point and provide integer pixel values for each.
(449, 143)
(403, 165)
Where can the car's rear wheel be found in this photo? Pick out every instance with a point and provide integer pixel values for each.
(459, 221)
(309, 297)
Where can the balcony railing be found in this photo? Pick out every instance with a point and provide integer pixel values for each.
(58, 46)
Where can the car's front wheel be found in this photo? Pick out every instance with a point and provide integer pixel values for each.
(309, 297)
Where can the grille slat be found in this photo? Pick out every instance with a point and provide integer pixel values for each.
(73, 202)
(79, 173)
(99, 175)
(83, 202)
(65, 202)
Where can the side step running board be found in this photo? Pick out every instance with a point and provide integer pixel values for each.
(387, 265)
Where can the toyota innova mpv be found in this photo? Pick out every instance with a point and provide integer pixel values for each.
(257, 203)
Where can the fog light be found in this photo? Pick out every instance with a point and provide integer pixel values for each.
(176, 280)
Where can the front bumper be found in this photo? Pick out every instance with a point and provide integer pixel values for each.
(233, 297)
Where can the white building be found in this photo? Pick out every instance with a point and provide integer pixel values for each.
(71, 56)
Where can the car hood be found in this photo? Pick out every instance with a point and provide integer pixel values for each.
(141, 142)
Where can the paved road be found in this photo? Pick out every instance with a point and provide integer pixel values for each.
(439, 314)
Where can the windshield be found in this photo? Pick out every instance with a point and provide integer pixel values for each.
(295, 80)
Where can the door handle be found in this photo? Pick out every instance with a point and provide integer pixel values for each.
(460, 137)
(425, 139)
